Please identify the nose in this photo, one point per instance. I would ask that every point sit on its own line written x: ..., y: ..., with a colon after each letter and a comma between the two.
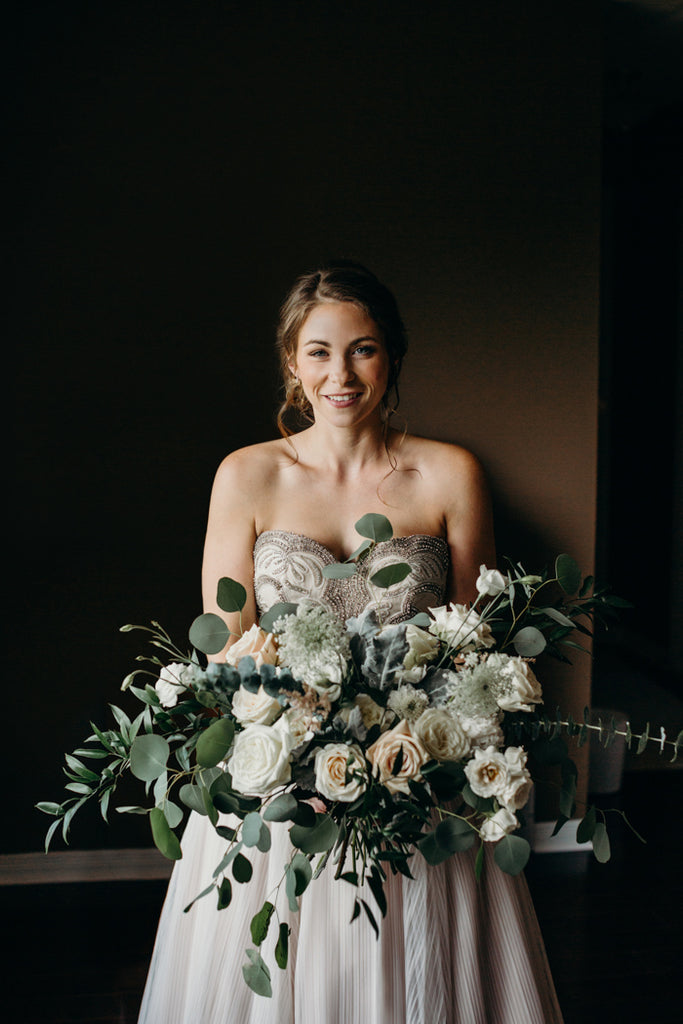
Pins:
x: 341, y: 371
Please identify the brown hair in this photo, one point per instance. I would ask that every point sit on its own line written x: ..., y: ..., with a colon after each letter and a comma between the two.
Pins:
x: 341, y: 281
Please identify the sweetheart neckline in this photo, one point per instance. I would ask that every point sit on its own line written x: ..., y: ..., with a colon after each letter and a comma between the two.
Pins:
x: 323, y: 547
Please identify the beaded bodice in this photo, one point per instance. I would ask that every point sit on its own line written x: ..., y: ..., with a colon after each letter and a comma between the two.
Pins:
x: 289, y: 567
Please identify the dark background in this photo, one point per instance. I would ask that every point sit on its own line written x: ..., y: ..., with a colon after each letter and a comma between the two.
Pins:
x: 512, y: 171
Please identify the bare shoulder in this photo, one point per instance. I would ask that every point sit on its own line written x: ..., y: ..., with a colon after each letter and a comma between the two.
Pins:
x: 252, y: 466
x: 448, y: 466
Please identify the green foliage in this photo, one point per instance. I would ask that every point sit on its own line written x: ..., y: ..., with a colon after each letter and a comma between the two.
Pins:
x: 209, y: 633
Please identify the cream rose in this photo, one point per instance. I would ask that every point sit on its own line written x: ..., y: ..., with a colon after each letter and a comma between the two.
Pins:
x: 498, y: 825
x: 441, y: 734
x: 383, y: 753
x: 169, y: 684
x: 460, y: 627
x: 333, y: 763
x: 422, y: 647
x: 258, y: 708
x: 260, y: 758
x: 521, y: 689
x: 487, y: 772
x: 516, y: 793
x: 256, y: 644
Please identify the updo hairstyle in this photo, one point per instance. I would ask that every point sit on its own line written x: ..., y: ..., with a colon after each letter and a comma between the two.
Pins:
x: 340, y: 281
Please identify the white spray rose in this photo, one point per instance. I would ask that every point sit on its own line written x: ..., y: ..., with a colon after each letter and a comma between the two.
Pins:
x: 487, y: 772
x: 498, y: 825
x: 258, y: 708
x: 169, y: 685
x: 333, y: 763
x: 460, y: 627
x: 491, y: 582
x: 260, y: 758
x: 516, y: 794
x: 442, y: 735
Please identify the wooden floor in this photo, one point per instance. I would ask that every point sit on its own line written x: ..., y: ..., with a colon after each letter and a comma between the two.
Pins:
x: 78, y: 953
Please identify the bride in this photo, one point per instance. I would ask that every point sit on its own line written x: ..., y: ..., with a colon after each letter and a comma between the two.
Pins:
x: 451, y: 950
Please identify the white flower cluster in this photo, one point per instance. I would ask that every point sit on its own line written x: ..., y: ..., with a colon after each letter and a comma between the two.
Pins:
x: 503, y: 775
x: 492, y: 683
x: 313, y: 644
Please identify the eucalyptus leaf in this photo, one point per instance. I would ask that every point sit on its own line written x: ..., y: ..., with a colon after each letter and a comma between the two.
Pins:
x: 375, y: 526
x: 209, y: 633
x: 568, y: 574
x: 586, y: 827
x: 339, y: 570
x: 165, y: 840
x: 215, y: 742
x: 391, y: 574
x: 282, y: 808
x: 282, y: 947
x: 260, y: 923
x: 257, y: 975
x: 321, y: 837
x: 192, y: 797
x: 601, y: 843
x: 224, y: 894
x: 231, y: 595
x: 529, y: 642
x: 511, y: 854
x: 251, y: 829
x: 149, y: 755
x: 278, y: 611
x: 242, y: 869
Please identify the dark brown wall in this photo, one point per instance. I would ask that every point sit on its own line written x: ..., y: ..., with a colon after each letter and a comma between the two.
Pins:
x: 175, y: 166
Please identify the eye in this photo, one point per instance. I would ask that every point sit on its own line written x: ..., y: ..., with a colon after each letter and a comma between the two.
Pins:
x: 365, y: 350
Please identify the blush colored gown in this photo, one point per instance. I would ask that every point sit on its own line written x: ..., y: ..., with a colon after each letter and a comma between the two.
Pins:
x: 451, y: 950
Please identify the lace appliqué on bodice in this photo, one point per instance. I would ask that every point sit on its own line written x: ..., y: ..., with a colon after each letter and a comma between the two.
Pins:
x: 289, y: 567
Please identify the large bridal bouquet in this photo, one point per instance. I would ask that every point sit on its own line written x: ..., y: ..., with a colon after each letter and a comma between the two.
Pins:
x: 373, y: 743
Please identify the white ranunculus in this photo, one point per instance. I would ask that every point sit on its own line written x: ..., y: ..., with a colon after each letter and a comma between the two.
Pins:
x: 487, y: 772
x: 169, y: 685
x: 256, y: 644
x: 482, y: 731
x: 498, y: 825
x: 460, y: 627
x: 491, y: 582
x: 520, y: 688
x: 333, y: 763
x: 258, y: 708
x: 442, y: 735
x: 422, y: 647
x: 260, y: 758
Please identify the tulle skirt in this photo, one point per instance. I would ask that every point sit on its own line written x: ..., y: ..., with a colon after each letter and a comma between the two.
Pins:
x: 450, y: 950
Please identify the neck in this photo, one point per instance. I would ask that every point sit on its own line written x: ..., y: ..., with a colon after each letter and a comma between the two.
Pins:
x: 346, y: 452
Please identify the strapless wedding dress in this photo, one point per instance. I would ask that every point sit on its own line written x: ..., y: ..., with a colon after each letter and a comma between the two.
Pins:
x: 451, y: 950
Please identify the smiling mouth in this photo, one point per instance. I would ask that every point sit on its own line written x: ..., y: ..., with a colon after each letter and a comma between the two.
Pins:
x: 343, y: 400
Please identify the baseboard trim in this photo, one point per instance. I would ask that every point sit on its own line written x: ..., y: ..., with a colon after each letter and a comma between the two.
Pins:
x: 543, y: 840
x: 83, y: 866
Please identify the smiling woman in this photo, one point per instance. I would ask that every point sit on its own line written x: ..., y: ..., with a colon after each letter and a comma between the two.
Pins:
x: 449, y: 948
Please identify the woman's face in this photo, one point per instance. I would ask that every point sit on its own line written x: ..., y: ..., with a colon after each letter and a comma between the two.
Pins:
x: 342, y: 362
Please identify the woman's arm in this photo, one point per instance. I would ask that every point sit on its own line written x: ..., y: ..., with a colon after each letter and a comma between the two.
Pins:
x: 230, y: 536
x: 469, y: 522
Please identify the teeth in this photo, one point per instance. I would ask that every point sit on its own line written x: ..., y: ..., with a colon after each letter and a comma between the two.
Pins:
x: 340, y: 398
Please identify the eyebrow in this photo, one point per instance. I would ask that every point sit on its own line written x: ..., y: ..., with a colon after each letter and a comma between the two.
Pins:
x: 356, y: 341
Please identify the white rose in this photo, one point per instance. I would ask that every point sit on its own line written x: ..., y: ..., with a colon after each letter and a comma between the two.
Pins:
x: 516, y: 793
x: 371, y: 712
x: 491, y: 582
x: 460, y: 627
x: 487, y: 772
x: 516, y: 758
x: 422, y: 647
x: 498, y: 825
x: 333, y: 763
x: 521, y: 687
x: 299, y: 723
x: 482, y: 731
x: 258, y: 708
x: 260, y: 758
x: 256, y: 644
x: 169, y: 684
x: 384, y: 751
x: 442, y: 735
